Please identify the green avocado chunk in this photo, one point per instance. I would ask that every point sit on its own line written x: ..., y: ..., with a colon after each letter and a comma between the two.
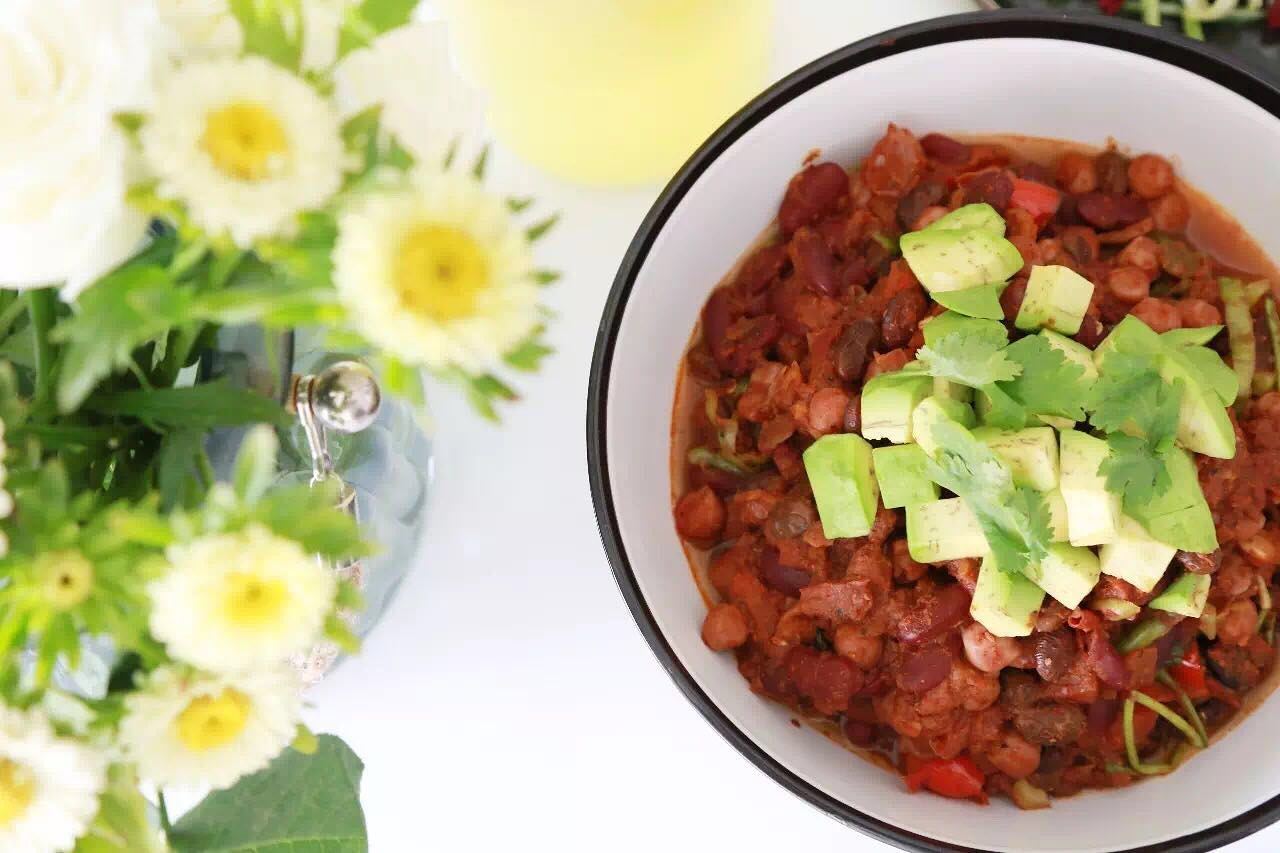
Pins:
x: 956, y: 260
x: 1179, y: 517
x: 901, y: 472
x: 1031, y: 454
x: 982, y: 301
x: 1092, y: 511
x: 888, y: 401
x: 1005, y: 603
x: 1195, y: 336
x: 1056, y: 298
x: 933, y: 409
x: 1186, y: 596
x: 982, y: 216
x: 1067, y: 573
x: 1135, y: 556
x: 943, y: 530
x: 948, y: 322
x: 842, y: 477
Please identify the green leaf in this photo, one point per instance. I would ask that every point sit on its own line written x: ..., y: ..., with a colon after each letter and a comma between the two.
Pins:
x: 529, y: 353
x: 539, y: 230
x: 309, y: 516
x: 199, y: 406
x: 481, y: 165
x: 178, y: 469
x: 1003, y: 412
x: 299, y: 804
x: 519, y: 205
x: 126, y: 309
x: 1048, y: 384
x: 272, y: 29
x: 976, y: 360
x: 370, y: 19
x: 1134, y: 470
x: 123, y: 823
x: 982, y: 301
x: 255, y: 469
x: 546, y: 277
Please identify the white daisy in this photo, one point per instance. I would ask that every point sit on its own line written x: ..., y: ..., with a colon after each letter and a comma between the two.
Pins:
x: 49, y: 785
x: 438, y: 274
x: 235, y: 601
x: 183, y: 728
x: 201, y: 29
x: 246, y: 145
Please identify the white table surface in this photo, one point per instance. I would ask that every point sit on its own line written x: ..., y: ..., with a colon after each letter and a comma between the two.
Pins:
x: 507, y: 701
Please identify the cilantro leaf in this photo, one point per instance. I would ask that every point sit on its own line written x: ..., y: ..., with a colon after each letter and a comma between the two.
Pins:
x: 1003, y: 412
x: 1135, y: 469
x: 976, y: 359
x: 1015, y: 520
x: 1049, y: 383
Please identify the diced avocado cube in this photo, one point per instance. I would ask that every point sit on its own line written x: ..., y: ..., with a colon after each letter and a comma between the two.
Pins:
x: 932, y: 409
x: 1192, y: 337
x: 1186, y: 596
x: 980, y: 216
x: 1214, y: 372
x: 1057, y: 515
x: 1134, y: 556
x: 982, y: 301
x: 1067, y: 573
x: 1056, y: 422
x: 945, y: 389
x: 956, y: 260
x: 1031, y: 454
x: 943, y: 530
x: 1203, y: 424
x: 1074, y: 351
x: 901, y: 472
x: 888, y: 401
x: 1056, y: 298
x: 1130, y: 335
x: 1179, y: 517
x: 1093, y: 513
x: 844, y: 485
x: 1005, y: 603
x: 936, y: 328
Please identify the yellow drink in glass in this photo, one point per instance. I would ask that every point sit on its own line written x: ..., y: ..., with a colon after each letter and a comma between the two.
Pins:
x: 612, y: 92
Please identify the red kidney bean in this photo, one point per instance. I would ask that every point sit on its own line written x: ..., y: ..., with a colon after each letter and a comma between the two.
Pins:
x: 1091, y: 332
x: 926, y: 194
x: 903, y: 313
x: 1035, y: 172
x: 813, y: 261
x: 854, y: 348
x: 787, y: 580
x: 715, y: 324
x: 1011, y: 299
x: 1107, y: 663
x: 1068, y: 211
x: 924, y: 669
x: 855, y: 272
x: 761, y: 268
x: 813, y: 193
x: 944, y: 149
x: 1081, y: 243
x: 934, y: 615
x: 853, y: 414
x: 1106, y: 211
x: 993, y: 187
x: 1054, y: 653
x: 791, y: 517
x: 1102, y: 713
x: 859, y: 733
x: 1113, y: 172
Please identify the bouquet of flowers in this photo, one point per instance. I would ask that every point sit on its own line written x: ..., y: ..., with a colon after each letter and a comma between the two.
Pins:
x: 170, y: 168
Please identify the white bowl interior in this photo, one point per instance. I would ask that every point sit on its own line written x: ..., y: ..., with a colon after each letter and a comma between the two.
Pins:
x: 1038, y: 87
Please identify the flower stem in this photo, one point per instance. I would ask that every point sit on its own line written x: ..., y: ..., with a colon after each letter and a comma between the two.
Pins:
x: 163, y: 807
x: 43, y: 305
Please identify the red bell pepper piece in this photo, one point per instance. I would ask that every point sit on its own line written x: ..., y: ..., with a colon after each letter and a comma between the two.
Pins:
x: 957, y: 777
x: 1035, y: 198
x: 1189, y: 673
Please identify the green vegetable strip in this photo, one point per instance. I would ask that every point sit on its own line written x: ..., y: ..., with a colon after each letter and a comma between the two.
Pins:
x: 1192, y: 27
x: 1131, y: 745
x: 1151, y: 12
x: 1273, y: 328
x: 1176, y: 721
x: 1142, y: 636
x: 703, y: 456
x: 1255, y: 290
x: 1193, y: 713
x: 1244, y: 354
x: 1229, y: 15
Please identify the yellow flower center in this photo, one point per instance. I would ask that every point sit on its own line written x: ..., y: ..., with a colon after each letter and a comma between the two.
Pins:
x: 67, y: 578
x: 252, y: 601
x: 245, y: 141
x: 440, y: 272
x: 17, y: 790
x: 209, y: 722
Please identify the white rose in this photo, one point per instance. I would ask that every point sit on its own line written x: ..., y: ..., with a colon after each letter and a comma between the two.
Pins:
x: 66, y: 67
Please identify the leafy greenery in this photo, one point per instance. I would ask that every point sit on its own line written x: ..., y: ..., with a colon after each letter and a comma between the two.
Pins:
x: 1138, y: 410
x: 272, y: 29
x: 300, y: 804
x: 976, y: 359
x: 1049, y: 383
x: 205, y: 406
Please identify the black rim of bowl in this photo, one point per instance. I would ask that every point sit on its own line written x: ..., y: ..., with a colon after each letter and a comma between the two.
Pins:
x: 1124, y: 35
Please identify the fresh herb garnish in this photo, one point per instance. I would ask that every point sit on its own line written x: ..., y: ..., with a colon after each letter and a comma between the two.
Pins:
x: 1049, y: 383
x: 1015, y: 520
x: 977, y: 358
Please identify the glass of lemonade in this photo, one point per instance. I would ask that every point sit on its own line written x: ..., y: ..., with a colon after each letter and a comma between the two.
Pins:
x: 612, y: 92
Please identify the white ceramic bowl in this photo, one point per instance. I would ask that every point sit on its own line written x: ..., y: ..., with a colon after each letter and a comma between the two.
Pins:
x: 1041, y: 75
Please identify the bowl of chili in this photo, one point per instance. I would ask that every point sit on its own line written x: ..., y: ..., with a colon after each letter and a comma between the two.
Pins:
x: 1027, y: 77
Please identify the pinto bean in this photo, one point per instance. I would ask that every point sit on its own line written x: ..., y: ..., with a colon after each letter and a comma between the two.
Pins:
x: 944, y: 149
x: 814, y: 192
x: 904, y: 312
x: 1200, y: 564
x: 827, y: 408
x: 1054, y: 652
x: 791, y: 517
x: 700, y: 515
x: 724, y: 628
x: 1106, y: 211
x: 986, y: 651
x: 853, y: 414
